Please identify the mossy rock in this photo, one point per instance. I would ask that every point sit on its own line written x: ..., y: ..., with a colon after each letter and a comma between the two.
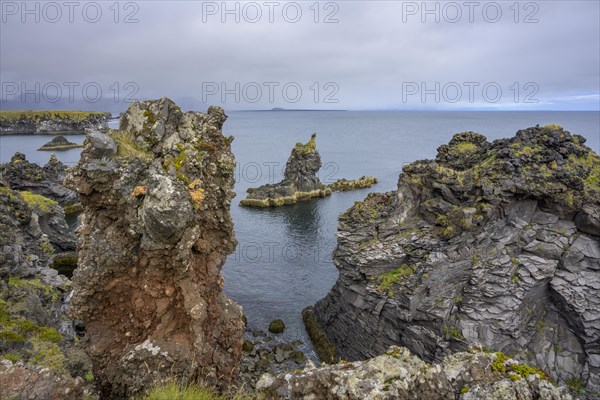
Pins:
x: 323, y: 347
x: 247, y: 346
x: 298, y: 357
x: 276, y: 326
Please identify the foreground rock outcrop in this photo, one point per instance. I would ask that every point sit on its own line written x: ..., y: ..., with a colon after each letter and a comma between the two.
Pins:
x: 51, y: 122
x: 154, y: 234
x: 39, y: 357
x: 491, y: 243
x: 473, y: 375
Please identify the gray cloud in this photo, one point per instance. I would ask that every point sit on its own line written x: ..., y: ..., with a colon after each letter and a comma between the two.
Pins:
x: 369, y: 59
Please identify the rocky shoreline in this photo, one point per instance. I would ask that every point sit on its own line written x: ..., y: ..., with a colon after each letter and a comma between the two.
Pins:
x: 477, y: 279
x: 51, y: 122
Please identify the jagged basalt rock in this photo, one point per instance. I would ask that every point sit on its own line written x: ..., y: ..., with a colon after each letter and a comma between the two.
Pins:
x: 38, y: 353
x: 154, y: 234
x: 51, y: 122
x: 300, y: 180
x: 59, y: 143
x: 20, y: 174
x: 400, y: 375
x: 495, y: 243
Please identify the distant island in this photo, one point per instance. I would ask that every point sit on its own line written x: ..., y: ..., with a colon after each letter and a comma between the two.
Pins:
x: 292, y: 109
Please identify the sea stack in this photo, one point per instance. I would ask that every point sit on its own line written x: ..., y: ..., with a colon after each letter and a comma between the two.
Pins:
x: 300, y: 180
x: 155, y: 232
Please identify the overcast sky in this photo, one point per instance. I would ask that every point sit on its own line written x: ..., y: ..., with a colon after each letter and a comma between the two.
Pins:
x: 357, y: 55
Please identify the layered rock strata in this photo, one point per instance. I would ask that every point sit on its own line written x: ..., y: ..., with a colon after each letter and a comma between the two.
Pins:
x: 492, y: 243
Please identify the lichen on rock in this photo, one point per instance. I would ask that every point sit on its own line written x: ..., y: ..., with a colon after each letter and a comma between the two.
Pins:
x: 397, y: 374
x: 492, y: 243
x: 150, y: 249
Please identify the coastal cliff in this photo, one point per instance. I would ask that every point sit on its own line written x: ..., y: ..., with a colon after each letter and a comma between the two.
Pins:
x: 154, y: 234
x: 492, y: 243
x: 51, y: 122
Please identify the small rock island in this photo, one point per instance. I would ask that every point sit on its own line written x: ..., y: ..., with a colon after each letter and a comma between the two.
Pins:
x: 59, y: 143
x: 300, y: 180
x: 29, y: 122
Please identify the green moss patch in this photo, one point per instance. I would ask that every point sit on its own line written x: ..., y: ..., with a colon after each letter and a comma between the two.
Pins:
x: 323, y: 347
x: 127, y: 146
x: 307, y: 148
x: 394, y: 277
x: 37, y: 202
x: 75, y: 116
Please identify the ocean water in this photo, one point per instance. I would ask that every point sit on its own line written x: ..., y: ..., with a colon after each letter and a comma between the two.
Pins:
x: 283, y: 260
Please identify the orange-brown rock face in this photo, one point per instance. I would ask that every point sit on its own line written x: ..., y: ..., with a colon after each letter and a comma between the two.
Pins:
x: 155, y: 232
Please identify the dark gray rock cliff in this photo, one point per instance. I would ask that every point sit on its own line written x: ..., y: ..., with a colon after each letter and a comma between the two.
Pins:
x: 490, y: 243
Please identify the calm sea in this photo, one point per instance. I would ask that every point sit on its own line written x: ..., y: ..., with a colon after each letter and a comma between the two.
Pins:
x: 283, y: 260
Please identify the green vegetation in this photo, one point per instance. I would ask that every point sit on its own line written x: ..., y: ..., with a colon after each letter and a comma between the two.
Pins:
x: 465, y: 147
x: 23, y: 334
x: 73, y: 208
x: 89, y: 377
x: 396, y: 276
x: 588, y: 168
x: 498, y: 364
x: 34, y: 285
x: 12, y: 357
x: 323, y: 347
x: 128, y: 147
x: 276, y: 326
x: 76, y: 116
x: 37, y: 202
x: 48, y: 355
x: 452, y: 331
x: 520, y: 370
x: 367, y: 243
x: 307, y: 148
x: 553, y: 127
x: 576, y: 385
x: 11, y: 337
x: 175, y: 391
